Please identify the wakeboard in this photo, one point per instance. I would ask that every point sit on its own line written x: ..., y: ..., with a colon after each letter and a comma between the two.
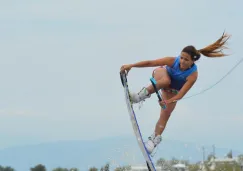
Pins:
x: 135, y: 124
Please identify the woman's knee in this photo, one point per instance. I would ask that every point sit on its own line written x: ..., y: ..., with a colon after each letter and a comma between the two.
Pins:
x: 160, y: 74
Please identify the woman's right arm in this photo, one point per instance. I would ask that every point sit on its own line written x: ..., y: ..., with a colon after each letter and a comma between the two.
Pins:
x: 153, y: 63
x: 149, y: 63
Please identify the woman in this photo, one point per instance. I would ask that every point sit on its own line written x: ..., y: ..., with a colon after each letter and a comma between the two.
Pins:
x: 175, y: 76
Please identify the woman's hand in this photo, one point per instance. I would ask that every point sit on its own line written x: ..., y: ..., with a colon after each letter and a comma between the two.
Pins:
x: 163, y: 103
x: 125, y: 68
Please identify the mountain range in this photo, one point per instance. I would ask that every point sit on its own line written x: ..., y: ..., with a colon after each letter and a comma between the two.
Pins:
x: 117, y: 151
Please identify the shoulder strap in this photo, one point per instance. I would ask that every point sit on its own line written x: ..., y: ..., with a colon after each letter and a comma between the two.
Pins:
x: 177, y: 60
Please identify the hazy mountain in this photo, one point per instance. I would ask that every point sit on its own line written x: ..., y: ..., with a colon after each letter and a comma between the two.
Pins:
x: 84, y: 154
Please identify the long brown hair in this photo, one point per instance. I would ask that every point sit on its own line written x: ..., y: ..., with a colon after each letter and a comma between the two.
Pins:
x: 213, y: 50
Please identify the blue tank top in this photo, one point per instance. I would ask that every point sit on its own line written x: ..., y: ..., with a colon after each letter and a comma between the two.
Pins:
x: 178, y: 77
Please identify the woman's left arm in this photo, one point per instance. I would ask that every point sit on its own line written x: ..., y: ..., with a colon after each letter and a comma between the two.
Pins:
x: 186, y: 87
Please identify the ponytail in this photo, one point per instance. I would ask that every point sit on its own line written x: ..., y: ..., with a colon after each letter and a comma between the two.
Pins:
x: 215, y: 49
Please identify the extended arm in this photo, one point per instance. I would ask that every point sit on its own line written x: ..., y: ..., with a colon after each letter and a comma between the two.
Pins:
x: 149, y: 63
x: 153, y: 63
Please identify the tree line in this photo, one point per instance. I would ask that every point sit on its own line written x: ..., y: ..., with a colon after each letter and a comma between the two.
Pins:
x: 163, y: 163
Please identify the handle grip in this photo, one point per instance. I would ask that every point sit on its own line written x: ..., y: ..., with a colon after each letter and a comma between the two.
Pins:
x: 154, y: 82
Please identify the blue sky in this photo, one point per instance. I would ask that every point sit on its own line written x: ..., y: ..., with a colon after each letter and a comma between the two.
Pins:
x: 60, y: 64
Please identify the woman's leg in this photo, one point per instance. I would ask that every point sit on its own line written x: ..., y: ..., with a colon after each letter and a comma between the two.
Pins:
x: 155, y: 138
x: 162, y: 78
x: 163, y: 81
x: 164, y: 113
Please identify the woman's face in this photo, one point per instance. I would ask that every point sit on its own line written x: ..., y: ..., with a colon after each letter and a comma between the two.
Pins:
x: 185, y: 61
